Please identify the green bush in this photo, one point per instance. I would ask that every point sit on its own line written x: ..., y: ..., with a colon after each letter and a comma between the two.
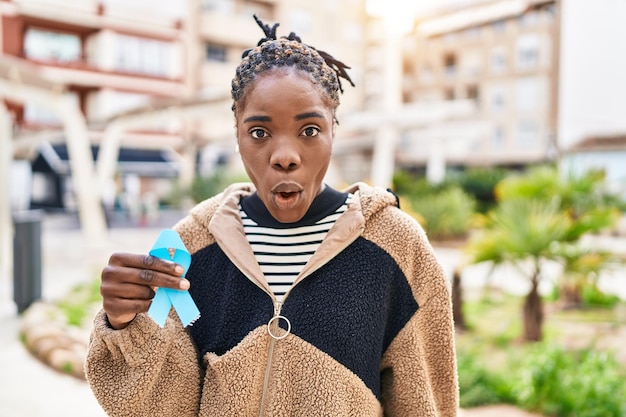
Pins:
x: 561, y: 383
x: 405, y: 183
x: 480, y: 184
x: 593, y: 297
x: 447, y: 214
x: 478, y: 385
x: 203, y: 187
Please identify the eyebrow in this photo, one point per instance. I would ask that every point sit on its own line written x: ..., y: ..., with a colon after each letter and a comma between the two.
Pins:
x: 258, y: 119
x: 302, y: 116
x: 309, y: 115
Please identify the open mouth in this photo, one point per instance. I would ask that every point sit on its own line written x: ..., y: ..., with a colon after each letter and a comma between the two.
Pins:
x: 286, y: 200
x: 286, y: 195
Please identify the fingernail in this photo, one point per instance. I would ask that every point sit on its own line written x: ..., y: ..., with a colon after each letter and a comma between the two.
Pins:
x: 184, y: 284
x: 179, y: 269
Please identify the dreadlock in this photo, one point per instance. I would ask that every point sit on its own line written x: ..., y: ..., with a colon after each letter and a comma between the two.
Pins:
x: 288, y: 51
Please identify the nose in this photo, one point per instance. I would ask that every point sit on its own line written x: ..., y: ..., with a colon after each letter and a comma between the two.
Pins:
x: 285, y: 155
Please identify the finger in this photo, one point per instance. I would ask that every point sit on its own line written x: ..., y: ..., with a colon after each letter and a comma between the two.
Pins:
x: 153, y: 278
x: 120, y: 308
x: 147, y: 262
x: 144, y: 270
x: 126, y: 291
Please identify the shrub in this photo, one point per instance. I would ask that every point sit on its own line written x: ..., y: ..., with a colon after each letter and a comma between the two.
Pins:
x: 202, y: 187
x: 594, y: 297
x: 477, y: 384
x: 560, y: 383
x: 447, y: 214
x: 480, y: 184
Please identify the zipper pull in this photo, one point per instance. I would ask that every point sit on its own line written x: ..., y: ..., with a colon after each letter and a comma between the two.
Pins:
x: 274, y: 327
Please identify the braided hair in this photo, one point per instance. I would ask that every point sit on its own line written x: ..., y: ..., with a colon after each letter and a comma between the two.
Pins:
x: 284, y: 52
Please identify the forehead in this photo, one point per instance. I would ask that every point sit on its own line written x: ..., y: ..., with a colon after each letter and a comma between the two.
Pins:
x: 286, y: 84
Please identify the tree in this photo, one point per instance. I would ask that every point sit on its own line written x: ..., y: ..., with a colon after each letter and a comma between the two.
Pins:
x: 521, y: 233
x: 537, y: 214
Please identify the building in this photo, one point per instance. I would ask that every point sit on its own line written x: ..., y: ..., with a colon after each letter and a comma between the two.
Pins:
x: 105, y: 58
x: 592, y: 91
x: 125, y: 60
x: 504, y: 56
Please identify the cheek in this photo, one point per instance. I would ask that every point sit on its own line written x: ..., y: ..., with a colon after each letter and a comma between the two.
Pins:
x: 252, y: 163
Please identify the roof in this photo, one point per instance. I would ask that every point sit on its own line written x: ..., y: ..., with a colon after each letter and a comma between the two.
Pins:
x: 476, y: 14
x: 600, y: 143
x: 143, y: 162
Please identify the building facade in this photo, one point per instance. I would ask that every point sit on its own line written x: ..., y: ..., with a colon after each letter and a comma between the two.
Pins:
x: 115, y: 59
x: 503, y: 56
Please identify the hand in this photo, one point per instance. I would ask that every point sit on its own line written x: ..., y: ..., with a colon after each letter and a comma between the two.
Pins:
x: 129, y: 283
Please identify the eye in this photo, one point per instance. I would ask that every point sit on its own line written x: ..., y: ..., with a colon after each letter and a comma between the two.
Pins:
x: 310, y: 131
x: 258, y: 133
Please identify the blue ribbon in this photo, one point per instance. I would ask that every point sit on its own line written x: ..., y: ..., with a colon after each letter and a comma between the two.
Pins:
x: 166, y: 298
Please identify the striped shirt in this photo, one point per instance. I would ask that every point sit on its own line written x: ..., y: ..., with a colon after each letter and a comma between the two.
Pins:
x: 282, y: 252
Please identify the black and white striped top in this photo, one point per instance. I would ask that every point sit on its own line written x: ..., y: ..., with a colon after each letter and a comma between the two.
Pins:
x: 282, y: 249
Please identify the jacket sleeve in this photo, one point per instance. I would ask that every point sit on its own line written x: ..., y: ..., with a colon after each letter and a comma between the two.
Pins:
x: 418, y: 370
x: 143, y: 370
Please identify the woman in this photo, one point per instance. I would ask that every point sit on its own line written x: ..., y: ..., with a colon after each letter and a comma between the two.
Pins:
x: 313, y: 301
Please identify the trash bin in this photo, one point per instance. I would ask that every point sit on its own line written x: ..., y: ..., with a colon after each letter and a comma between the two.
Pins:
x: 26, y: 258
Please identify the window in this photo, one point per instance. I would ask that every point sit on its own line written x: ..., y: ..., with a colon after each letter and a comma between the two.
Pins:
x: 549, y: 11
x: 528, y: 19
x: 472, y: 93
x: 498, y: 60
x: 526, y: 133
x: 47, y: 45
x: 499, y: 26
x: 528, y: 51
x: 219, y: 6
x: 44, y: 115
x: 528, y: 93
x: 146, y: 56
x: 498, y: 100
x: 449, y: 64
x: 498, y: 138
x: 216, y: 53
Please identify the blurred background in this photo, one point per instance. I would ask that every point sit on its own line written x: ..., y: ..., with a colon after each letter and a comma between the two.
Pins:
x: 501, y: 125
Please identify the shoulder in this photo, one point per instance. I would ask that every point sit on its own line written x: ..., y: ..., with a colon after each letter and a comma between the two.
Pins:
x: 194, y: 227
x: 383, y: 215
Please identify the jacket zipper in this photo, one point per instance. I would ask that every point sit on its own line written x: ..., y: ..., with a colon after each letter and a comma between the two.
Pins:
x: 266, y: 380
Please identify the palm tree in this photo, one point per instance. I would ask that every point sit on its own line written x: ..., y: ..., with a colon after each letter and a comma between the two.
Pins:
x: 521, y: 233
x: 537, y: 214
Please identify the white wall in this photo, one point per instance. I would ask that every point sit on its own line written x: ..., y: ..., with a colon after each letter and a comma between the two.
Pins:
x: 592, y: 96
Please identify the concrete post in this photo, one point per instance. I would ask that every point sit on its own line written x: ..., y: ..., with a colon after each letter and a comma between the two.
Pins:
x: 6, y: 224
x: 388, y: 135
x: 84, y: 177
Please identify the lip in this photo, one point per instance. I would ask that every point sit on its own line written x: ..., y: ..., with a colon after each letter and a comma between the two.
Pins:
x: 286, y: 195
x: 286, y: 187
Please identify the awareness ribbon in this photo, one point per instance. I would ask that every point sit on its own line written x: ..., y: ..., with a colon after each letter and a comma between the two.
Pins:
x: 165, y: 298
